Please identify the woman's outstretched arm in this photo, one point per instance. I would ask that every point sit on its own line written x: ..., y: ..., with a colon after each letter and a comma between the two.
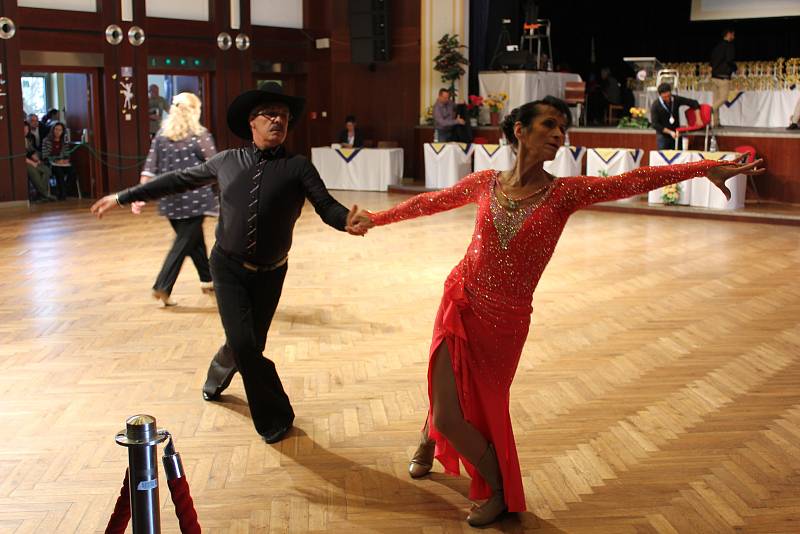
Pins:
x: 587, y: 190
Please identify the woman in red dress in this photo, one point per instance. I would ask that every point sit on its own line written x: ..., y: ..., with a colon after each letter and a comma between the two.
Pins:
x: 483, y: 319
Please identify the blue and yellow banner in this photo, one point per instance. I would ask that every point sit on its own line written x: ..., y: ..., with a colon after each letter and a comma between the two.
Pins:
x: 490, y: 150
x: 438, y: 147
x: 347, y: 154
x: 669, y: 156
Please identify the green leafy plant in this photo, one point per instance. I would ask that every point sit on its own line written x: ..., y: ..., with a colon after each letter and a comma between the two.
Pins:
x: 637, y: 119
x: 450, y: 61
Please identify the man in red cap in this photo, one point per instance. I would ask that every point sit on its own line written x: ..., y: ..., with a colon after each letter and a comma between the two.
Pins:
x: 262, y: 192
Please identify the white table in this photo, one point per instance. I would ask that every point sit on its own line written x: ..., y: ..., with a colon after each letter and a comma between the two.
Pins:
x: 568, y: 162
x: 755, y: 109
x: 523, y: 86
x: 698, y: 191
x: 446, y: 163
x: 361, y: 169
x: 706, y: 195
x: 613, y: 161
x: 498, y: 157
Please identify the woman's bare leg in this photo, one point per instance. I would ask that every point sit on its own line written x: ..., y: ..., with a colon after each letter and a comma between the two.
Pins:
x: 447, y: 415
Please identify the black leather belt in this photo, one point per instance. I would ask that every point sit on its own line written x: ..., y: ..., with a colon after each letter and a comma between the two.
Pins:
x: 253, y: 267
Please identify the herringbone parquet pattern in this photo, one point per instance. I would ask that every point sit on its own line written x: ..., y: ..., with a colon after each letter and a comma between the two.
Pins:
x: 659, y: 390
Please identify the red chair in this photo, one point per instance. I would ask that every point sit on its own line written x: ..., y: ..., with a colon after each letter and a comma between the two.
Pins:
x: 691, y: 120
x: 480, y: 141
x: 751, y: 156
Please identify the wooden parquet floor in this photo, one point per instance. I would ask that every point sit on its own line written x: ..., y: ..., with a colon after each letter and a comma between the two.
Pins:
x: 659, y: 391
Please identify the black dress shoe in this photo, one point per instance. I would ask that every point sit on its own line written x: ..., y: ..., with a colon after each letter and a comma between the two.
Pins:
x: 211, y: 392
x: 793, y: 126
x: 274, y: 436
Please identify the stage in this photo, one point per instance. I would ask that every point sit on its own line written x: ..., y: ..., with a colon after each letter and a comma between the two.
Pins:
x: 779, y: 148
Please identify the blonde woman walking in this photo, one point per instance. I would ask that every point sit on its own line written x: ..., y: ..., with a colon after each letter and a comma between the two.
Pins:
x: 181, y: 143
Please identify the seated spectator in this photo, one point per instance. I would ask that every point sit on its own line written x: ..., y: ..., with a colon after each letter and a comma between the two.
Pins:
x: 461, y: 132
x: 36, y: 131
x: 794, y: 120
x: 38, y: 172
x: 607, y: 90
x: 350, y: 137
x: 54, y: 151
x: 48, y: 120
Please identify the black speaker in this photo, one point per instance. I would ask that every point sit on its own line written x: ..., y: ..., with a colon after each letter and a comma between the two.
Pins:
x: 515, y: 60
x: 369, y: 31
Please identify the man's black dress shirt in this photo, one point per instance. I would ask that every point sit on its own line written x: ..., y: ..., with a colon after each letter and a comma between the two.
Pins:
x: 722, y: 60
x: 286, y: 182
x: 661, y: 112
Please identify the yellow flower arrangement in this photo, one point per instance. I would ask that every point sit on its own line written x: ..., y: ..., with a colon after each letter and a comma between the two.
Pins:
x: 670, y: 194
x: 495, y: 101
x: 638, y: 113
x: 637, y: 119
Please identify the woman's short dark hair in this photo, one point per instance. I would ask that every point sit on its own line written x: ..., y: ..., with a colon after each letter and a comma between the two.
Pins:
x: 527, y: 112
x: 350, y: 118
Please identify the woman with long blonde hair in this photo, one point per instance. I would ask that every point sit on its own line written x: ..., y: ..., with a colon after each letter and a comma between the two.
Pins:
x: 182, y: 142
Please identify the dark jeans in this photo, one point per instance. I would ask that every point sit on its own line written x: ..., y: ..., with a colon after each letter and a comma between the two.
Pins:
x: 189, y: 241
x: 665, y: 142
x: 247, y: 301
x: 62, y: 176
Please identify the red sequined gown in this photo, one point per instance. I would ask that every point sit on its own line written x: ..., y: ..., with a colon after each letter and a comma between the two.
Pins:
x: 486, y: 307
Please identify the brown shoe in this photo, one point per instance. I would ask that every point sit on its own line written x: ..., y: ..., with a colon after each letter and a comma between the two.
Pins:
x: 422, y: 461
x: 163, y: 296
x: 495, y: 506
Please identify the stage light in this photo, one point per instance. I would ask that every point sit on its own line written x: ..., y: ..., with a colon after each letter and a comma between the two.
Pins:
x: 196, y: 62
x: 183, y: 61
x: 168, y: 61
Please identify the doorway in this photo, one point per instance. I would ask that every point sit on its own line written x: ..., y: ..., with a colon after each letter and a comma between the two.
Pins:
x: 163, y: 85
x: 68, y: 95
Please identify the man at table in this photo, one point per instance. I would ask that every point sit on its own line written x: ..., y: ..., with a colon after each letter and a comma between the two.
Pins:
x: 444, y: 116
x: 664, y: 115
x: 350, y: 137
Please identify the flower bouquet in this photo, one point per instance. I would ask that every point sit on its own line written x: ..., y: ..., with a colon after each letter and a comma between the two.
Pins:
x: 637, y: 119
x: 670, y: 194
x: 495, y: 102
x: 474, y: 105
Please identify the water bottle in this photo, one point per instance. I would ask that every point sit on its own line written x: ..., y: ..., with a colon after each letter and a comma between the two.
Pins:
x: 435, y: 135
x: 713, y: 147
x: 566, y: 139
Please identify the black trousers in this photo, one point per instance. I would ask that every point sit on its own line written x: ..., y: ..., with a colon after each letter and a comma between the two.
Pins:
x: 247, y: 301
x: 189, y: 241
x: 62, y: 176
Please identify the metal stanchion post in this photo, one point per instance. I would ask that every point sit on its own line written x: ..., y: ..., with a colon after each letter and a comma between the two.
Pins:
x: 141, y: 437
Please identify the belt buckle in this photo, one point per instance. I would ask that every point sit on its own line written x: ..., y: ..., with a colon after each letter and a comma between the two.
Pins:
x: 250, y: 267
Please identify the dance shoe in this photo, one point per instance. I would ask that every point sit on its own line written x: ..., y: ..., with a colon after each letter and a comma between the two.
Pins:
x: 163, y: 296
x: 495, y: 506
x: 212, y: 389
x: 274, y: 436
x: 422, y: 461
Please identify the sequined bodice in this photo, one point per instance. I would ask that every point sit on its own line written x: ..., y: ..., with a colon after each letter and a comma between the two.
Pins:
x: 509, y: 251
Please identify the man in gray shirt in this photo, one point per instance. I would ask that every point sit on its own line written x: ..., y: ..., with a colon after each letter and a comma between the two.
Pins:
x: 444, y: 116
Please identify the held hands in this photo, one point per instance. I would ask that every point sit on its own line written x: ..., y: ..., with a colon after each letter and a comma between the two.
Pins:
x: 718, y: 175
x: 136, y: 207
x: 358, y: 221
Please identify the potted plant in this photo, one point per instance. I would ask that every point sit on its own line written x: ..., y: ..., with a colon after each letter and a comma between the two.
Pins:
x: 449, y: 63
x: 495, y: 102
x: 637, y: 119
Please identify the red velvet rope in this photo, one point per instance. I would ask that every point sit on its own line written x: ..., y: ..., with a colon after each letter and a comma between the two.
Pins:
x: 184, y: 507
x: 122, y: 510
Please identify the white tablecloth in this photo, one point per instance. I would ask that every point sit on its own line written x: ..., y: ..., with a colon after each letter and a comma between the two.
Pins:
x: 613, y: 161
x: 568, y: 162
x: 364, y: 169
x: 523, y: 86
x: 446, y: 163
x: 498, y: 157
x: 699, y: 191
x: 758, y: 109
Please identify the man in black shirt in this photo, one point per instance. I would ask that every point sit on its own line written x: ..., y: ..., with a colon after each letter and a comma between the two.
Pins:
x: 262, y: 192
x: 722, y: 67
x: 664, y: 115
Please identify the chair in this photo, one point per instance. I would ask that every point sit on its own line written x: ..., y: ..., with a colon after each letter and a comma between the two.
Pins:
x: 669, y: 76
x: 613, y: 109
x: 751, y: 156
x: 693, y: 125
x: 575, y: 95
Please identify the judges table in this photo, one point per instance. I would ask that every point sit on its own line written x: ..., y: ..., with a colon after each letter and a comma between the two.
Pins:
x: 700, y: 192
x: 446, y: 163
x: 613, y: 161
x: 498, y: 157
x: 523, y: 86
x: 362, y: 169
x: 568, y: 162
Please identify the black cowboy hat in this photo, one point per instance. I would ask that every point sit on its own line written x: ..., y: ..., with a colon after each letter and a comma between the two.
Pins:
x: 242, y: 105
